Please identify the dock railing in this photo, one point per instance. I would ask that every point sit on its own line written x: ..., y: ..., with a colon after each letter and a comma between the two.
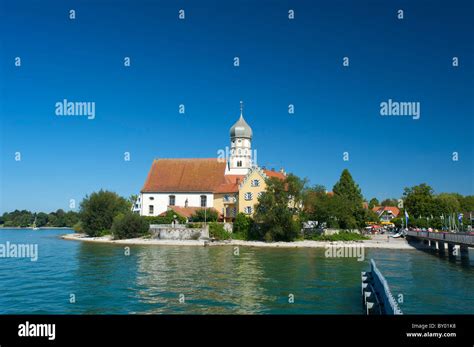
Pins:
x: 376, y: 295
x: 457, y: 238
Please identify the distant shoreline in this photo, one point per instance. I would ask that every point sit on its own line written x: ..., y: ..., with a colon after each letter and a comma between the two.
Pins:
x: 380, y: 244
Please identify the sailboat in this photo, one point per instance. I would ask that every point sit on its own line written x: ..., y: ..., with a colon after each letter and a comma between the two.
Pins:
x: 34, y: 225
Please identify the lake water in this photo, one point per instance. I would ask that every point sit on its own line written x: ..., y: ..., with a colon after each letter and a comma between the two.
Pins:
x: 214, y: 280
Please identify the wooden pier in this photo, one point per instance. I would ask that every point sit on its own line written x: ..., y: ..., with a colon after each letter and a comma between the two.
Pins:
x: 439, y: 241
x: 376, y: 295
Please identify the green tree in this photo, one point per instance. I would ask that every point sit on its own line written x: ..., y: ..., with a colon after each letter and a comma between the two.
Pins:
x: 242, y: 225
x: 446, y: 203
x: 97, y: 211
x: 129, y: 225
x: 366, y: 215
x: 418, y: 201
x: 60, y: 220
x: 296, y: 189
x: 350, y: 213
x: 41, y: 219
x: 389, y: 202
x: 274, y: 213
x: 23, y: 218
x: 71, y: 218
x: 373, y: 202
x: 333, y: 211
x: 467, y: 203
x: 348, y: 189
x: 52, y: 220
x: 205, y: 215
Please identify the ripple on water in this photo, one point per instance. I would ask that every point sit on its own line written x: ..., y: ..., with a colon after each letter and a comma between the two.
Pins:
x: 214, y: 280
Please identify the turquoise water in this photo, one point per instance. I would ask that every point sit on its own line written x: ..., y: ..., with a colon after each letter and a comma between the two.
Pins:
x: 214, y: 280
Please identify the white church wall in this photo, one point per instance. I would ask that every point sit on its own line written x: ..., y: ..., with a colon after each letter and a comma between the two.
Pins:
x: 160, y: 201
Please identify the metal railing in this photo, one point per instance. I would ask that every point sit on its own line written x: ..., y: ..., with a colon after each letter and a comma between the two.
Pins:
x: 383, y: 291
x: 458, y: 238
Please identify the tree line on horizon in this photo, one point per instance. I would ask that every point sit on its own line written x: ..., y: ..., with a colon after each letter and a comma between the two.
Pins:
x: 279, y: 215
x: 25, y: 218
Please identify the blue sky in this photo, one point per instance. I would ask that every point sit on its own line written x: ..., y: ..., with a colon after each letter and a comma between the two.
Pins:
x: 190, y: 62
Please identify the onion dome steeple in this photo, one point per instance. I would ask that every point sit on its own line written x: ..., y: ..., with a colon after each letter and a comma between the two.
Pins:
x: 241, y: 128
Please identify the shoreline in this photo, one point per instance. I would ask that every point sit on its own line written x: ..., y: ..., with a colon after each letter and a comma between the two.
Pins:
x: 373, y: 243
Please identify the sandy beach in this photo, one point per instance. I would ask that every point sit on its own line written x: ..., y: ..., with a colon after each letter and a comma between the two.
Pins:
x: 377, y: 241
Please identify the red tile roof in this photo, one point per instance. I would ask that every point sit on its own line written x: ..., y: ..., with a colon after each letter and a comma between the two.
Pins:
x: 381, y: 209
x: 185, y: 175
x: 194, y: 175
x: 231, y: 184
x: 276, y: 174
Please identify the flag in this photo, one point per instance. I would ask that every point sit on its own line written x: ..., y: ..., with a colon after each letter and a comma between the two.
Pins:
x: 460, y: 217
x: 406, y: 219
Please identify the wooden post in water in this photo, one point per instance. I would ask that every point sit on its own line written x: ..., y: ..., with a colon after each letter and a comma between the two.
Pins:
x: 464, y: 252
x: 441, y: 248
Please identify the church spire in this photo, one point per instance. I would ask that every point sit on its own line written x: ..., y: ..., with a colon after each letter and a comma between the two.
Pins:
x: 241, y: 128
x: 240, y: 160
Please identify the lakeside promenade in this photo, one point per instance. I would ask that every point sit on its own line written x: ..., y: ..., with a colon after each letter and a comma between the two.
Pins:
x: 376, y: 241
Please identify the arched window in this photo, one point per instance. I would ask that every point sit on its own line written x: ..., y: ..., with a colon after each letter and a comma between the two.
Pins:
x: 172, y: 200
x: 248, y: 196
x: 248, y: 209
x: 255, y: 183
x: 239, y: 163
x: 203, y: 201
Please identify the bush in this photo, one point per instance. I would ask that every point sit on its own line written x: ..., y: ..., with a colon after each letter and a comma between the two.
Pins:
x: 241, y: 226
x: 208, y: 214
x: 198, y: 225
x: 99, y: 210
x: 341, y: 236
x: 167, y: 218
x: 129, y: 225
x: 78, y: 227
x: 217, y: 231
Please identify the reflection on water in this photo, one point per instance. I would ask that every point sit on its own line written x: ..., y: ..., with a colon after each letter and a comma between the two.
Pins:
x: 214, y: 280
x: 204, y: 278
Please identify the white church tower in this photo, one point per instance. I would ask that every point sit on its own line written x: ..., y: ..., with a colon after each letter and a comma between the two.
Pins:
x: 240, y: 160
